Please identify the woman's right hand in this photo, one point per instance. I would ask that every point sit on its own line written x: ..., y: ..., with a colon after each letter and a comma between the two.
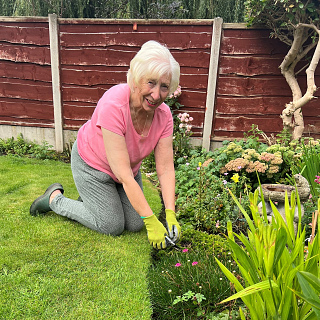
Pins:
x: 156, y: 232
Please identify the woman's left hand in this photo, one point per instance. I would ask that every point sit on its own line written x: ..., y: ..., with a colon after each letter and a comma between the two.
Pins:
x: 173, y: 226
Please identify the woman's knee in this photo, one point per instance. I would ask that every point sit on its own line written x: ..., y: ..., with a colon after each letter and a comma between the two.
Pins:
x: 112, y: 229
x: 134, y: 226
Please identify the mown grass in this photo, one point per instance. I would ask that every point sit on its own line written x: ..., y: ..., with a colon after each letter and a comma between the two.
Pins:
x: 54, y: 268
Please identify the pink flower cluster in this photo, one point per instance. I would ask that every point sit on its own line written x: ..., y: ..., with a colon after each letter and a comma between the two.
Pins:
x: 257, y: 166
x: 317, y: 180
x: 273, y: 158
x: 194, y: 263
x: 185, y: 121
x: 236, y: 164
x: 265, y: 163
x: 176, y: 94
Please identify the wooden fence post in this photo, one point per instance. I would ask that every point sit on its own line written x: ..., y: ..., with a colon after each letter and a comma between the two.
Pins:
x: 212, y: 82
x: 56, y: 88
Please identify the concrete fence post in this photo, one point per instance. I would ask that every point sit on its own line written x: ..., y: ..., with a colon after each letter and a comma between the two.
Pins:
x: 212, y: 82
x: 56, y: 88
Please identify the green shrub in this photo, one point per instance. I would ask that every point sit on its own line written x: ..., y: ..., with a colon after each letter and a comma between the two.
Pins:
x: 203, y: 200
x: 20, y: 147
x: 202, y: 241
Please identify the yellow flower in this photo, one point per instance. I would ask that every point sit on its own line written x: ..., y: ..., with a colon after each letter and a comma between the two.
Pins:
x: 200, y: 164
x: 235, y: 177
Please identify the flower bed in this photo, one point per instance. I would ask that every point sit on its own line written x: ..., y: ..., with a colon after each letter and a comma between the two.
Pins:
x: 214, y: 192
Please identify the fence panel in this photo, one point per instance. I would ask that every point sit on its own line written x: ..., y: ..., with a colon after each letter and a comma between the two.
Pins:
x: 95, y: 55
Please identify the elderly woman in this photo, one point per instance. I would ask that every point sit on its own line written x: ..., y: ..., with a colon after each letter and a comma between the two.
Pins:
x: 130, y: 121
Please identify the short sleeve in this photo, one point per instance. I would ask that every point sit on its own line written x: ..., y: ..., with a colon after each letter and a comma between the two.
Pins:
x: 168, y: 129
x: 111, y: 115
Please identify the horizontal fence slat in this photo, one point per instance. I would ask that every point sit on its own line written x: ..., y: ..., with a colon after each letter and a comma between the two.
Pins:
x: 266, y: 124
x: 261, y: 106
x: 112, y: 57
x: 25, y: 109
x: 25, y: 35
x: 253, y: 46
x: 249, y: 66
x: 25, y: 53
x: 26, y: 89
x: 96, y: 75
x: 25, y: 71
x: 173, y: 40
x: 254, y: 105
x: 26, y: 123
x: 247, y: 86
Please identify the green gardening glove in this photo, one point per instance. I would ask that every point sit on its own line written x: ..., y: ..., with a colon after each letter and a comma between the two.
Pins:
x: 156, y: 232
x: 173, y: 226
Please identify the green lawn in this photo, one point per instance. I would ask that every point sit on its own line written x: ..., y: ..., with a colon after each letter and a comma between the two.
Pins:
x: 54, y: 268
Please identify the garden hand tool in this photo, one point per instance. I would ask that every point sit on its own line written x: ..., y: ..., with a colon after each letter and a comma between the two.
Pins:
x: 173, y: 226
x: 170, y: 243
x: 156, y: 232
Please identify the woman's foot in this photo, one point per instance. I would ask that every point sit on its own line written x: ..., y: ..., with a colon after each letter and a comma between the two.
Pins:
x: 41, y: 204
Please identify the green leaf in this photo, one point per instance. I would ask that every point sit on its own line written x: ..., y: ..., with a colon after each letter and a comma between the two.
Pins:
x: 281, y: 242
x: 264, y: 209
x: 230, y: 276
x: 251, y: 290
x: 256, y: 313
x: 310, y: 316
x: 308, y: 294
x: 241, y: 314
x: 286, y: 305
x: 289, y: 212
x: 279, y: 219
x: 229, y: 229
x: 312, y: 279
x: 250, y: 248
x: 249, y: 221
x: 243, y: 259
x: 313, y: 302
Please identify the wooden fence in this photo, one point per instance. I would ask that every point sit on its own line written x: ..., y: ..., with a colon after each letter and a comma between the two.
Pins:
x: 53, y: 72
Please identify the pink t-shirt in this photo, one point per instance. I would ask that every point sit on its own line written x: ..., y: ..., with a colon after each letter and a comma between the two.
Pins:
x: 113, y: 113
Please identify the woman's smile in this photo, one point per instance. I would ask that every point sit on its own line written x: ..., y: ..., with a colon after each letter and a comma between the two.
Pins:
x: 151, y: 93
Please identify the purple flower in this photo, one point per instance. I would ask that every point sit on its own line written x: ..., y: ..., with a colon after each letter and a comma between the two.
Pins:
x: 225, y: 181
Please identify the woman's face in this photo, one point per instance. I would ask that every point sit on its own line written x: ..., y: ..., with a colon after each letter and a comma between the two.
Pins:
x: 151, y: 93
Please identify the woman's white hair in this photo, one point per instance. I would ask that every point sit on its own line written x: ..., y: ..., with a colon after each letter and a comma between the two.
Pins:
x: 153, y: 61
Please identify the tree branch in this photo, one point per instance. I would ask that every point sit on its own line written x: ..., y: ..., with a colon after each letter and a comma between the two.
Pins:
x: 294, y: 107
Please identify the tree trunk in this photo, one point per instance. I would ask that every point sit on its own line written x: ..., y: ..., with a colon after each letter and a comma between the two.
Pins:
x: 293, y: 109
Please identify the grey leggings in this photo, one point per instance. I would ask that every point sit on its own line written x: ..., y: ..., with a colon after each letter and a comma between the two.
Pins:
x: 104, y: 207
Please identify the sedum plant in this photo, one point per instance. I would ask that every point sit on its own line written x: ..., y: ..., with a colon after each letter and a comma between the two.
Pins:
x: 275, y: 265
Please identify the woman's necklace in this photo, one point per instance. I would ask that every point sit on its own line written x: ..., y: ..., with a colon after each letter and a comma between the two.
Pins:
x: 137, y: 122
